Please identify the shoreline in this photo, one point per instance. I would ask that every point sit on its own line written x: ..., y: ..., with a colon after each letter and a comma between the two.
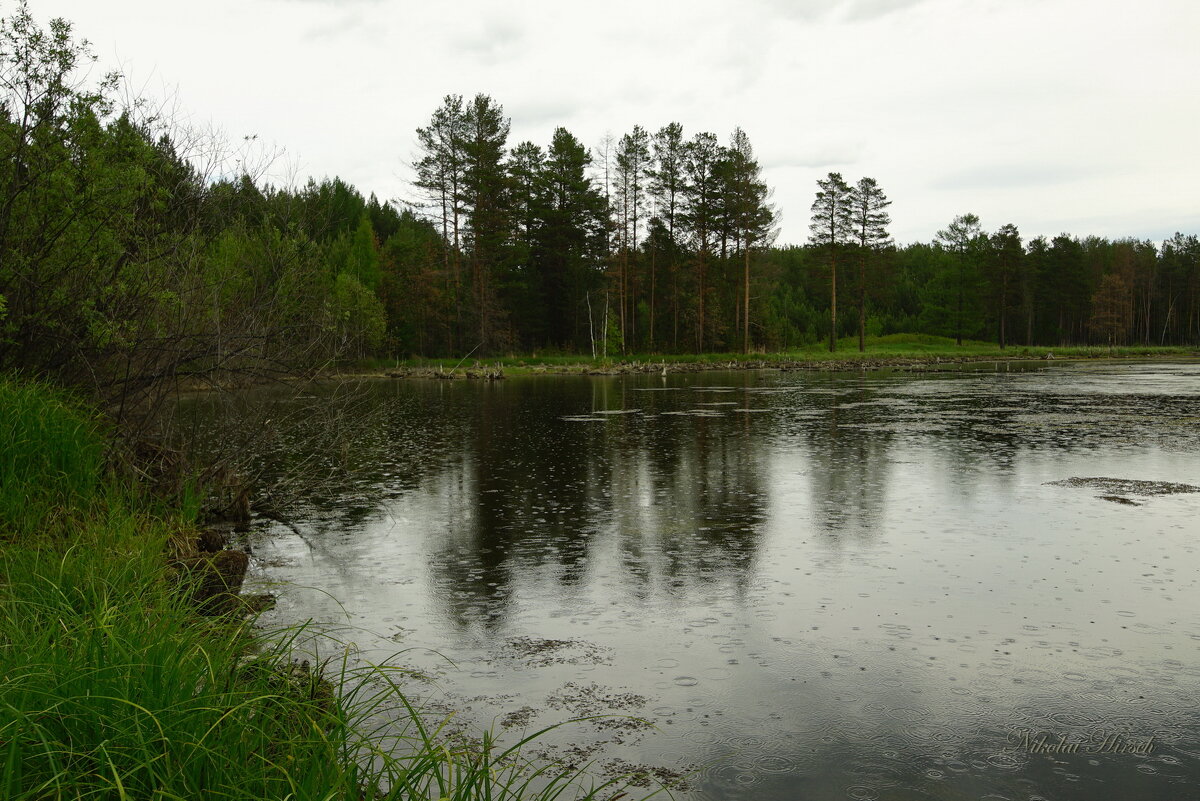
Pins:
x: 500, y: 368
x: 497, y: 369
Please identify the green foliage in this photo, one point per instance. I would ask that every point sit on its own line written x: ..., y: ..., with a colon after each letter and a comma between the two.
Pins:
x: 790, y: 321
x: 950, y: 300
x: 613, y: 341
x: 355, y: 315
x: 362, y: 258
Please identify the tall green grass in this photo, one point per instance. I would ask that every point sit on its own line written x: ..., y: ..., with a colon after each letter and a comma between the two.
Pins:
x: 52, y: 454
x: 112, y: 687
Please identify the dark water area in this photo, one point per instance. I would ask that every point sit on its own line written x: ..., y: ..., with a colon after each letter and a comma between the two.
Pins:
x: 802, y: 586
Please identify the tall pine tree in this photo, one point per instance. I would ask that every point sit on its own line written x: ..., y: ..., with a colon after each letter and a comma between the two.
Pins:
x: 831, y: 231
x: 870, y: 221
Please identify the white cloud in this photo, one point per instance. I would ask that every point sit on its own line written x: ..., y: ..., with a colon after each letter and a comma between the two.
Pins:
x: 1054, y: 114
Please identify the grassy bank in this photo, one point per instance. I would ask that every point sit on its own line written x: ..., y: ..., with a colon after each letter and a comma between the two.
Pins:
x: 892, y: 349
x: 113, y: 686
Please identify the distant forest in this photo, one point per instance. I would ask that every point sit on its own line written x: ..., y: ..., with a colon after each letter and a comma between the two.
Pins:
x: 127, y: 254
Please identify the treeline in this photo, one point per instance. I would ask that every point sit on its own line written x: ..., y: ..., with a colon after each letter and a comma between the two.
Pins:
x: 664, y: 243
x: 971, y: 284
x: 644, y: 244
x: 133, y: 253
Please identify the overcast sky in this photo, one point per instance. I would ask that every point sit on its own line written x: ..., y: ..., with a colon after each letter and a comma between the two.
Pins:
x: 1057, y: 115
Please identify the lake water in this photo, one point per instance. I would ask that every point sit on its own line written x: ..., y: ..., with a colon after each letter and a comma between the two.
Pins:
x: 814, y: 586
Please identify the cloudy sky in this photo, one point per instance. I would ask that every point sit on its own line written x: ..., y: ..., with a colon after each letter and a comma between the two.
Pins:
x: 1056, y: 115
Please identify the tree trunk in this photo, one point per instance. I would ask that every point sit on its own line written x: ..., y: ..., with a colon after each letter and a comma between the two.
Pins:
x: 746, y: 300
x: 700, y: 306
x: 862, y: 303
x: 653, y: 259
x: 832, y: 298
x: 958, y: 309
x: 1003, y: 296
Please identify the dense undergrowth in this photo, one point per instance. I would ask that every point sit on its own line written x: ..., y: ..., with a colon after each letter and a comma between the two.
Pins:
x: 112, y: 686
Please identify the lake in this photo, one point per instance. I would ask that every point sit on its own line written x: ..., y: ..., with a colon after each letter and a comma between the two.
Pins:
x: 784, y: 584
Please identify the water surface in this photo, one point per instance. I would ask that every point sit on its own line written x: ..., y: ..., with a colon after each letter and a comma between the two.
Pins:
x: 826, y: 586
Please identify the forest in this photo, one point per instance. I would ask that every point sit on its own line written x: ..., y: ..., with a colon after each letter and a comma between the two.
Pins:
x: 134, y: 249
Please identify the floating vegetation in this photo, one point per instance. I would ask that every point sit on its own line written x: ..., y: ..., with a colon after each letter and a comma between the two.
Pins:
x: 593, y: 699
x: 519, y: 718
x: 1126, y: 486
x: 641, y: 775
x: 538, y: 652
x: 1119, y: 499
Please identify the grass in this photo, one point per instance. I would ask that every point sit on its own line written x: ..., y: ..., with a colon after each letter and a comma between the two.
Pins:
x: 112, y: 687
x: 892, y: 346
x: 53, y: 451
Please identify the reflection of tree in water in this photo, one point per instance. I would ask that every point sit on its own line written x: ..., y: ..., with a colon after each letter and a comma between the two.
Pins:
x: 850, y: 467
x: 518, y: 495
x: 675, y: 503
x: 708, y: 500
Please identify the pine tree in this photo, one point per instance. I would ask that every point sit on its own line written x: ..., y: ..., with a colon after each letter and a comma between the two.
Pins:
x: 702, y: 159
x: 440, y: 173
x: 1006, y: 256
x: 667, y: 187
x: 487, y: 199
x: 573, y: 236
x: 752, y: 217
x: 869, y: 219
x: 632, y: 163
x: 964, y: 238
x: 1180, y: 269
x: 523, y: 294
x: 831, y: 230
